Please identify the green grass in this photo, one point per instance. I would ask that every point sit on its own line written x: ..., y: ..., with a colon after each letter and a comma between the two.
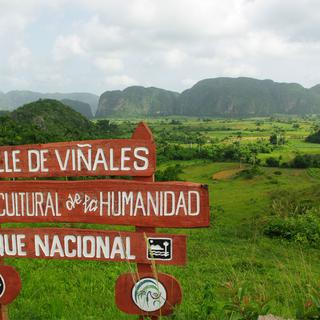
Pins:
x: 314, y: 173
x: 232, y: 252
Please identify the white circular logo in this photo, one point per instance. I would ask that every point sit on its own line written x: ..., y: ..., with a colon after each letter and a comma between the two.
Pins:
x: 149, y: 294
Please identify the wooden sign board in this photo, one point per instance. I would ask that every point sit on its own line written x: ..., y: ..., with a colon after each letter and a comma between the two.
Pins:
x: 89, y: 244
x: 10, y: 284
x: 147, y: 294
x: 130, y: 157
x: 118, y: 202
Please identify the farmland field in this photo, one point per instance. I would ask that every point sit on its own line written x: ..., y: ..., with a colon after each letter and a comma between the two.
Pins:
x: 233, y: 262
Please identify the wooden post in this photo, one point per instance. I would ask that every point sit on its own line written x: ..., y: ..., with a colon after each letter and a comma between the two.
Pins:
x: 143, y: 132
x: 4, y: 313
x: 3, y: 308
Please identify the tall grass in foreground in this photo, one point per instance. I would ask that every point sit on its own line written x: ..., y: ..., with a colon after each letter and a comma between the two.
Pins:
x: 246, y: 286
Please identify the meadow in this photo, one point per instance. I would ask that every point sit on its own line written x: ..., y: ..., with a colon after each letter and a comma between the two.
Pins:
x: 235, y: 270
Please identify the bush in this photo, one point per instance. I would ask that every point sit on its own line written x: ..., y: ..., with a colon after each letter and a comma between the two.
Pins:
x: 272, y: 162
x: 251, y: 172
x: 314, y: 137
x: 306, y: 161
x: 304, y: 229
x: 169, y: 174
x: 287, y: 203
x: 295, y: 216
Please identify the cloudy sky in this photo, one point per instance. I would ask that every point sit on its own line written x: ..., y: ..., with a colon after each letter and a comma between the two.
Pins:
x: 98, y: 45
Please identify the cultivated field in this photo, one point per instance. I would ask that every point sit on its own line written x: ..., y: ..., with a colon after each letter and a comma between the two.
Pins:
x: 236, y: 269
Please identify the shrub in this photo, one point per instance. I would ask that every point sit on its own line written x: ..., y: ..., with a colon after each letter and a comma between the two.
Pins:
x: 251, y: 172
x: 314, y: 137
x: 272, y: 162
x: 243, y: 305
x: 306, y: 161
x: 169, y: 174
x: 303, y: 228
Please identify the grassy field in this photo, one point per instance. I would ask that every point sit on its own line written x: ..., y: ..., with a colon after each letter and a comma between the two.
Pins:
x: 230, y: 259
x: 243, y: 130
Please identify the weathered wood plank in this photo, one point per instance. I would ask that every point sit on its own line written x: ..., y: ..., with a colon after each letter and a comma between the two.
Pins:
x: 118, y: 202
x: 129, y: 157
x: 89, y: 244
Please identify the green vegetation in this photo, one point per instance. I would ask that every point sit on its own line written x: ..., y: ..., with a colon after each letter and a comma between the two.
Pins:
x: 295, y: 217
x: 222, y: 97
x: 261, y: 253
x: 137, y: 101
x: 51, y: 121
x: 306, y: 161
x: 218, y: 97
x: 81, y: 107
x: 314, y: 137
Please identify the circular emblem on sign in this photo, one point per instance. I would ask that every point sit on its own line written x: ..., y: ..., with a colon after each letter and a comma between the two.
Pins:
x: 149, y: 294
x: 2, y: 286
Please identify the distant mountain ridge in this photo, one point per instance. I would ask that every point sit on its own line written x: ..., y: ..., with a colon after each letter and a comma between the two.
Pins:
x: 226, y: 97
x: 316, y: 89
x: 216, y: 97
x: 16, y: 98
x: 137, y: 101
x: 247, y: 97
x: 79, y: 106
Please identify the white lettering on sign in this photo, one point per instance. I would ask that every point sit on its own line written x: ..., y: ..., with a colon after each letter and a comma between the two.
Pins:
x: 12, y: 245
x: 91, y: 160
x: 158, y: 203
x: 36, y: 160
x: 143, y: 159
x: 83, y: 247
x: 111, y: 203
x: 31, y: 204
x: 9, y: 161
x: 76, y: 158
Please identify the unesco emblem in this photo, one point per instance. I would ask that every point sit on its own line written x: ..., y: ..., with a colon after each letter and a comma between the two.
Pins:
x: 149, y: 294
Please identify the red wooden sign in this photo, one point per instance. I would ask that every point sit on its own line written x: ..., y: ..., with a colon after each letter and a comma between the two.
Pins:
x: 141, y: 203
x: 10, y: 284
x: 147, y: 294
x: 87, y: 244
x: 119, y: 202
x: 130, y: 157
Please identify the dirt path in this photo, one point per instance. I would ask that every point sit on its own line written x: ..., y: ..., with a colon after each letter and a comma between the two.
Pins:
x: 226, y: 174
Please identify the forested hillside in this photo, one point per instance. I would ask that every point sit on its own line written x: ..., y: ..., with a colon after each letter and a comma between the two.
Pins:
x: 226, y: 97
x: 138, y: 101
x: 16, y: 98
x: 217, y: 97
x: 44, y: 121
x: 81, y: 107
x: 247, y: 97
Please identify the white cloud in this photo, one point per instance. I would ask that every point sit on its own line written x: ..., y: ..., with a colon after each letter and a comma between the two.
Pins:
x: 175, y: 57
x: 120, y: 81
x: 20, y: 59
x: 168, y: 43
x: 109, y: 64
x: 188, y: 82
x: 68, y: 46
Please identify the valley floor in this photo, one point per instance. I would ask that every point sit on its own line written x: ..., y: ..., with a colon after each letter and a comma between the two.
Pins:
x: 230, y: 257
